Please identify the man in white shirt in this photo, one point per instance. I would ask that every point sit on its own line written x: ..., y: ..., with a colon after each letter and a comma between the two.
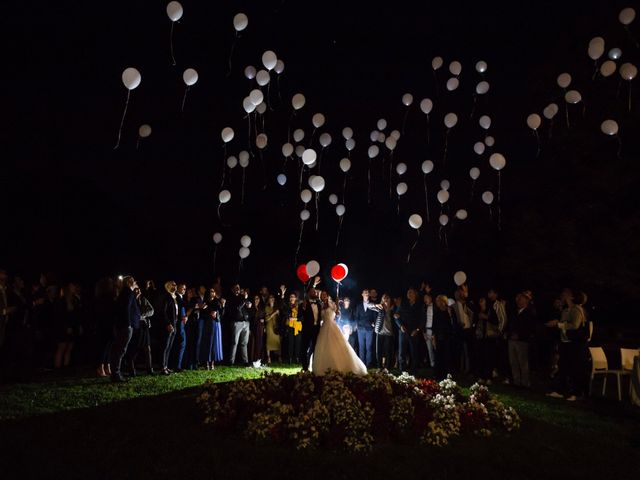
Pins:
x: 428, y: 329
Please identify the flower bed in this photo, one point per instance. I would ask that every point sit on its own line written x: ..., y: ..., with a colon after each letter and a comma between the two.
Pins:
x: 350, y: 412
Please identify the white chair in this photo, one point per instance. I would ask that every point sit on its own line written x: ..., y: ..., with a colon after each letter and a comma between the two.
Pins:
x: 627, y: 355
x: 600, y: 366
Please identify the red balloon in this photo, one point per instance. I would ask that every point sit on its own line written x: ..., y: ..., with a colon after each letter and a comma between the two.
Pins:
x: 338, y: 272
x: 302, y: 273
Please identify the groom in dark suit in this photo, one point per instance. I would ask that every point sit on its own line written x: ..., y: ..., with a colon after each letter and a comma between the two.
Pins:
x: 311, y: 309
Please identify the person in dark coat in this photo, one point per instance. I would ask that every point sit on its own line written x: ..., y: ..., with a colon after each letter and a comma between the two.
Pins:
x: 444, y: 331
x: 519, y: 333
x: 169, y: 313
x: 365, y: 315
x: 311, y: 309
x: 411, y: 323
x: 141, y: 338
x: 181, y: 324
x: 237, y: 312
x: 127, y: 319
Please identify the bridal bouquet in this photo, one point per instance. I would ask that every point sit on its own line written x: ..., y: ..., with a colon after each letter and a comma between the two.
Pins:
x: 352, y: 412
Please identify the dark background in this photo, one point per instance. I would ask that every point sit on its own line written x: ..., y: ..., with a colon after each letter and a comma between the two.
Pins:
x: 75, y: 206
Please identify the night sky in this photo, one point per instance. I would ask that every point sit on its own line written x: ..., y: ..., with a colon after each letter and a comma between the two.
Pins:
x: 74, y: 205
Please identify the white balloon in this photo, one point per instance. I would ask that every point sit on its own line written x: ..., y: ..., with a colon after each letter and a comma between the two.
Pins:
x: 261, y: 108
x: 244, y: 252
x: 240, y: 22
x: 489, y: 141
x: 261, y: 141
x: 391, y: 143
x: 564, y: 80
x: 318, y: 120
x: 340, y: 210
x: 445, y: 184
x: 462, y: 214
x: 309, y: 156
x: 437, y: 63
x: 347, y: 133
x: 443, y: 219
x: 497, y: 161
x: 250, y: 72
x: 450, y: 120
x: 373, y: 136
x: 401, y: 168
x: 333, y: 199
x: 479, y: 148
x: 609, y: 127
x: 279, y: 68
x: 443, y: 196
x: 227, y: 134
x: 474, y: 173
x: 627, y: 15
x: 382, y: 137
x: 373, y: 151
x: 245, y: 241
x: 452, y: 84
x: 144, y: 131
x: 287, y: 150
x: 596, y: 48
x: 395, y: 134
x: 481, y: 66
x: 485, y: 122
x: 427, y: 167
x: 455, y: 68
x: 174, y: 11
x: 256, y: 96
x: 608, y: 68
x: 482, y: 87
x: 407, y: 99
x: 350, y: 144
x: 305, y: 195
x: 534, y: 121
x: 401, y: 188
x: 318, y: 184
x: 345, y: 165
x: 282, y: 179
x: 243, y: 156
x: 304, y: 215
x: 298, y: 101
x: 248, y: 105
x: 190, y: 76
x: 460, y: 278
x: 131, y: 78
x: 426, y: 105
x: 269, y: 60
x: 382, y: 124
x: 615, y: 53
x: 224, y: 196
x: 550, y: 111
x: 325, y: 140
x: 313, y: 268
x: 217, y: 238
x: 487, y: 197
x: 415, y: 221
x: 263, y: 78
x: 232, y: 162
x: 572, y: 96
x: 299, y: 150
x: 298, y: 135
x: 628, y: 71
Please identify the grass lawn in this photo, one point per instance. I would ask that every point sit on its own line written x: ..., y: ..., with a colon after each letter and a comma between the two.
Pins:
x: 72, y: 427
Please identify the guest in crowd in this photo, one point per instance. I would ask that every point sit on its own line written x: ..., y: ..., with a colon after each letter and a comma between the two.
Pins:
x: 311, y: 318
x: 272, y: 325
x: 411, y: 320
x: 214, y: 312
x: 384, y: 334
x: 257, y: 319
x: 181, y: 325
x: 195, y: 327
x: 170, y: 317
x: 487, y: 335
x: 292, y: 318
x: 141, y: 336
x: 365, y: 316
x: 347, y: 322
x: 238, y: 311
x: 104, y: 316
x: 464, y: 317
x: 519, y: 333
x: 498, y: 315
x: 444, y: 331
x: 68, y: 324
x: 127, y: 319
x: 428, y: 328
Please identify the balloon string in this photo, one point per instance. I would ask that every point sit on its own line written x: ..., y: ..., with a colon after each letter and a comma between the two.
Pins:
x: 289, y: 126
x: 269, y: 103
x: 313, y: 133
x: 320, y: 160
x: 215, y: 253
x: 631, y: 36
x: 173, y: 59
x: 428, y: 131
x: 390, y: 175
x: 126, y: 104
x: 538, y: 140
x: 398, y: 205
x: 242, y: 194
x: 219, y: 214
x: 233, y: 46
x: 184, y: 99
x: 426, y: 197
x: 404, y: 120
x: 278, y: 85
x: 239, y: 268
x: 446, y: 146
x: 369, y: 180
x: 339, y: 228
x: 619, y: 146
x: 344, y: 190
x: 295, y: 260
x: 317, y: 211
x: 413, y: 246
x: 301, y: 173
x: 499, y: 204
x: 224, y: 171
x: 566, y: 114
x: 264, y: 171
x: 475, y: 102
x: 490, y: 213
x: 595, y: 72
x: 629, y: 96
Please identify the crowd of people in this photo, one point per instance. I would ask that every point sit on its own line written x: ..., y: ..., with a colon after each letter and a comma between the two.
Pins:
x: 123, y: 328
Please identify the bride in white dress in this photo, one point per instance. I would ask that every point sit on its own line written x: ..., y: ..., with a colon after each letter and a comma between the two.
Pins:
x: 332, y: 351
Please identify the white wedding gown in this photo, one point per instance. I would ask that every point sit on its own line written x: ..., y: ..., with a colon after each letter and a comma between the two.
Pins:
x: 333, y: 351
